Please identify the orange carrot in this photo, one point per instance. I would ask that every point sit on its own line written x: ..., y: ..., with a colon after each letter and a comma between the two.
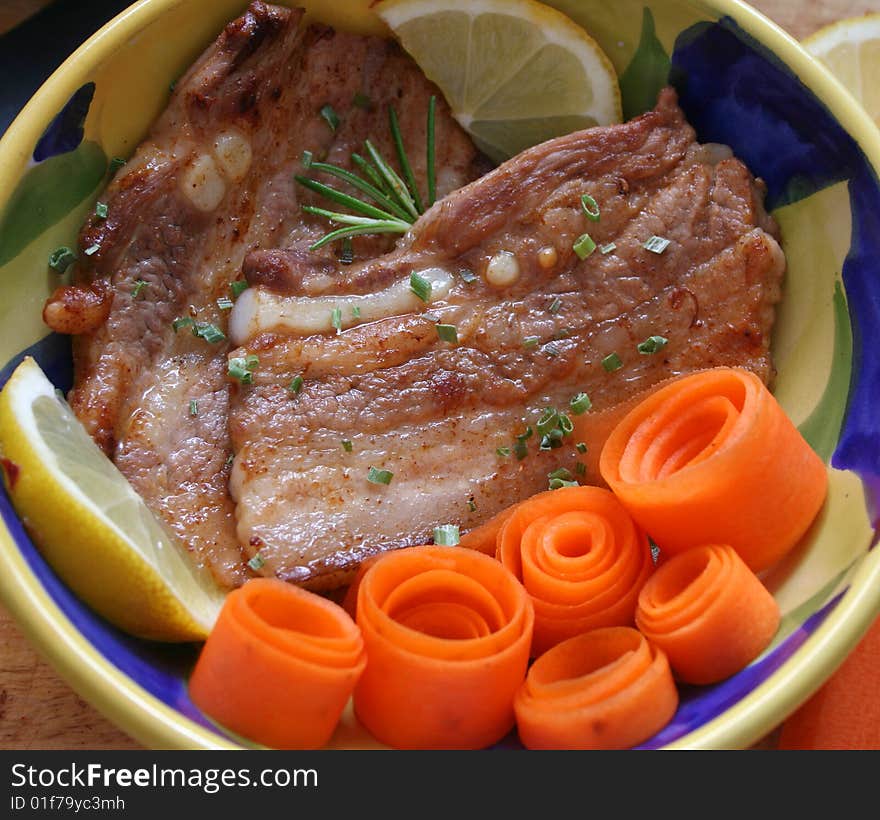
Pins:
x: 447, y: 633
x: 581, y: 558
x: 605, y: 689
x: 712, y: 458
x: 708, y: 612
x: 279, y: 665
x: 349, y: 602
x: 483, y: 538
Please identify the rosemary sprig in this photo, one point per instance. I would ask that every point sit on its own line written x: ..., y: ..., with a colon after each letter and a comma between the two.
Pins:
x: 394, y: 199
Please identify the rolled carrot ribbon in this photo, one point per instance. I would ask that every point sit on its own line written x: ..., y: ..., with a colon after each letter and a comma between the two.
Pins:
x: 712, y: 458
x: 605, y: 689
x: 279, y: 665
x: 485, y: 537
x: 708, y: 612
x: 581, y: 558
x: 447, y: 633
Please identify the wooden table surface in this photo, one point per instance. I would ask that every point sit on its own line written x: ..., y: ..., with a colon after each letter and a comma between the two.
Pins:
x: 37, y: 709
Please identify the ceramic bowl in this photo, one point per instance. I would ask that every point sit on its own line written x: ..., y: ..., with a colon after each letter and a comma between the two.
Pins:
x: 742, y: 81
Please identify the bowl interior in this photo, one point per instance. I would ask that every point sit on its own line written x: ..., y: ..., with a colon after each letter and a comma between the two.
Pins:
x: 740, y: 83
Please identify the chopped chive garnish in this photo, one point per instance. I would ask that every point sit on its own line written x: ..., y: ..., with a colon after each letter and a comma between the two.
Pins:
x: 336, y: 319
x: 241, y: 368
x: 520, y: 449
x: 193, y: 407
x: 612, y: 362
x: 555, y: 306
x: 61, y: 259
x: 375, y: 476
x: 361, y: 100
x: 307, y: 158
x: 531, y: 341
x: 296, y: 384
x: 504, y: 452
x: 229, y: 459
x: 561, y: 478
x: 565, y: 424
x: 355, y: 312
x: 563, y: 333
x: 448, y: 333
x: 256, y: 562
x: 525, y: 436
x: 330, y: 117
x: 185, y: 321
x: 115, y: 164
x: 652, y: 344
x: 101, y: 210
x: 93, y: 249
x: 580, y: 403
x: 447, y: 535
x: 139, y: 285
x: 580, y: 468
x: 584, y: 246
x: 656, y: 244
x: 606, y: 249
x: 551, y: 350
x: 225, y: 303
x: 238, y: 287
x: 590, y: 208
x: 468, y: 275
x: 210, y: 333
x: 346, y: 254
x: 420, y: 286
x: 581, y: 447
x: 552, y: 440
x: 548, y: 421
x: 472, y: 505
x: 347, y: 445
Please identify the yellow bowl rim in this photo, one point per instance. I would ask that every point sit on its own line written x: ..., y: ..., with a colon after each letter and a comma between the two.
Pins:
x: 154, y: 724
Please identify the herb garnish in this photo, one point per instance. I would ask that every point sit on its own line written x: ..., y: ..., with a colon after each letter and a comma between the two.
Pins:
x: 584, y: 246
x: 612, y: 362
x: 375, y: 476
x: 238, y: 287
x: 139, y: 285
x: 561, y: 478
x: 256, y: 562
x: 652, y: 344
x: 296, y: 384
x: 448, y: 333
x: 397, y: 202
x: 580, y: 403
x: 330, y: 117
x: 242, y: 368
x: 656, y: 244
x: 101, y: 210
x: 447, y: 535
x: 590, y: 208
x: 61, y: 259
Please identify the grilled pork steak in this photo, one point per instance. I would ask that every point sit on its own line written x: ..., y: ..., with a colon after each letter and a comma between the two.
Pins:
x: 441, y: 411
x: 212, y: 186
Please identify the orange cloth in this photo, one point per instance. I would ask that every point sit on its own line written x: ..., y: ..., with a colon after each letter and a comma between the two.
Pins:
x: 845, y: 712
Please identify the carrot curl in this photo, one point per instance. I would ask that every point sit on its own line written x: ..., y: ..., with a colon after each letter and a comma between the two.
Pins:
x: 279, y: 665
x: 581, y: 558
x: 605, y: 689
x: 712, y: 458
x: 447, y: 633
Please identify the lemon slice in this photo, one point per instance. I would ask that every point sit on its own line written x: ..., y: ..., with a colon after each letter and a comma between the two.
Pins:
x: 514, y: 72
x: 90, y: 525
x: 851, y: 49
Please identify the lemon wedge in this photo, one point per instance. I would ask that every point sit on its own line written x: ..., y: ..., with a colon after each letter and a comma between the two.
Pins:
x: 851, y: 49
x: 514, y: 72
x: 89, y: 523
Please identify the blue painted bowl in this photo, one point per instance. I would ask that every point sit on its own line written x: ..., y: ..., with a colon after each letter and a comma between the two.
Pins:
x: 741, y: 81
